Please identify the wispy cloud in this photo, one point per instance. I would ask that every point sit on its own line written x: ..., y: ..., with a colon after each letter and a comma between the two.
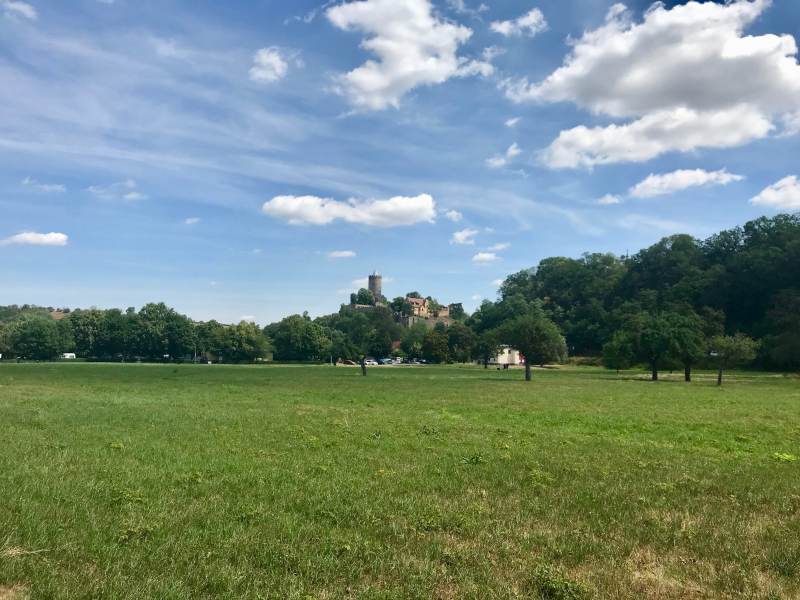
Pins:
x: 465, y: 237
x: 485, y: 257
x: 123, y: 190
x: 32, y: 238
x: 341, y: 254
x: 44, y: 187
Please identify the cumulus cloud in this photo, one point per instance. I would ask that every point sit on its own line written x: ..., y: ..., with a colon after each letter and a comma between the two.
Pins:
x: 44, y: 187
x: 32, y: 238
x: 454, y: 216
x: 498, y: 282
x: 123, y: 190
x: 484, y: 257
x: 464, y: 237
x: 609, y: 200
x: 529, y: 24
x: 501, y: 160
x: 312, y: 210
x: 191, y: 221
x: 669, y: 183
x: 269, y: 66
x: 16, y: 8
x: 341, y: 254
x: 513, y: 122
x: 414, y: 48
x: 687, y: 76
x: 681, y: 129
x: 784, y: 195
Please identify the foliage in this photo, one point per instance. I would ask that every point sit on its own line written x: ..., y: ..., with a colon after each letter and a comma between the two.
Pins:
x: 732, y: 350
x: 536, y: 337
x: 298, y: 338
x: 434, y: 345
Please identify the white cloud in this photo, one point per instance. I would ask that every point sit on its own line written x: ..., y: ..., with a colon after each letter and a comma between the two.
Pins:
x: 247, y: 319
x: 123, y: 190
x: 609, y: 199
x: 414, y: 48
x: 498, y: 282
x: 476, y: 297
x: 681, y: 129
x: 784, y: 195
x: 454, y: 216
x: 341, y: 254
x: 648, y: 223
x: 669, y: 183
x: 44, y: 187
x: 484, y: 257
x: 461, y: 7
x: 15, y: 8
x: 32, y: 238
x: 513, y: 122
x: 499, y: 247
x: 312, y: 210
x: 501, y: 160
x: 465, y: 237
x: 529, y: 24
x: 269, y: 66
x: 687, y: 76
x: 191, y: 221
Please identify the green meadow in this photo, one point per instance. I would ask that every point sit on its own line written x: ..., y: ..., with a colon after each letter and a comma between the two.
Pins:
x: 142, y: 481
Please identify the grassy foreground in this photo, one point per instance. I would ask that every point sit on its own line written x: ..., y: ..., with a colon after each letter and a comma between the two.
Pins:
x: 311, y: 482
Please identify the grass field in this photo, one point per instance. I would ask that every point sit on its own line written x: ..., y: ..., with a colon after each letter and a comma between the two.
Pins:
x: 312, y: 482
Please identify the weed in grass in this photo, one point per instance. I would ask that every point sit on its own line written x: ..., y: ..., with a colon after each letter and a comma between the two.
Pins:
x: 473, y: 459
x: 548, y: 583
x: 784, y: 457
x: 134, y: 533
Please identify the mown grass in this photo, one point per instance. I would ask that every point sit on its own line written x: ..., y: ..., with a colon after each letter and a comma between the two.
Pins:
x: 312, y: 482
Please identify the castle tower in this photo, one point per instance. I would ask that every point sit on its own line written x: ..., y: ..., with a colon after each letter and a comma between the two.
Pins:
x: 376, y: 286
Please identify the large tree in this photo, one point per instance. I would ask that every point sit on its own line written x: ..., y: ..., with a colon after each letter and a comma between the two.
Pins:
x: 536, y: 337
x: 732, y: 351
x: 298, y: 338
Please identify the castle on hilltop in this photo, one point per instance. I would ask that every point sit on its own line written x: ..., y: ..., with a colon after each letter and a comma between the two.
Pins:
x: 408, y: 310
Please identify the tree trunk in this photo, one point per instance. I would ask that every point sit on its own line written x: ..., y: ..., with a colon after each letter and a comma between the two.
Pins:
x: 364, y: 367
x: 485, y: 363
x: 654, y: 369
x: 527, y: 371
x: 719, y: 377
x: 687, y: 374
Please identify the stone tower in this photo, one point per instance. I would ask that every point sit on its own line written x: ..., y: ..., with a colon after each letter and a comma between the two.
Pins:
x: 376, y: 286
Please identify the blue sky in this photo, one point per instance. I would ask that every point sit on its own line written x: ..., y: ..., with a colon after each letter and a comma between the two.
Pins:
x: 257, y: 158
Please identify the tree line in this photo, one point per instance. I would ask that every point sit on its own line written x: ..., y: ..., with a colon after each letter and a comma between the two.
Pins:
x: 731, y: 299
x: 153, y: 333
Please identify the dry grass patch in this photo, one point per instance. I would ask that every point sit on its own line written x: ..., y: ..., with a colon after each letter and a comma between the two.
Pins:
x: 15, y: 592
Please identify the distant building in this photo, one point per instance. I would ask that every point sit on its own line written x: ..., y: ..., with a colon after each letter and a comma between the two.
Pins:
x: 419, y: 307
x: 506, y: 356
x: 376, y: 286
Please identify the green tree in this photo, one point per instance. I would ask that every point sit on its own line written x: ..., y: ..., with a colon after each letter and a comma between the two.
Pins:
x: 248, y: 342
x: 536, y: 337
x: 487, y: 347
x: 731, y: 351
x: 619, y: 352
x: 86, y: 328
x: 37, y: 338
x: 364, y: 296
x: 783, y: 345
x: 460, y: 342
x: 298, y: 338
x: 413, y: 339
x: 457, y: 312
x: 434, y: 345
x: 163, y: 333
x: 691, y: 345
